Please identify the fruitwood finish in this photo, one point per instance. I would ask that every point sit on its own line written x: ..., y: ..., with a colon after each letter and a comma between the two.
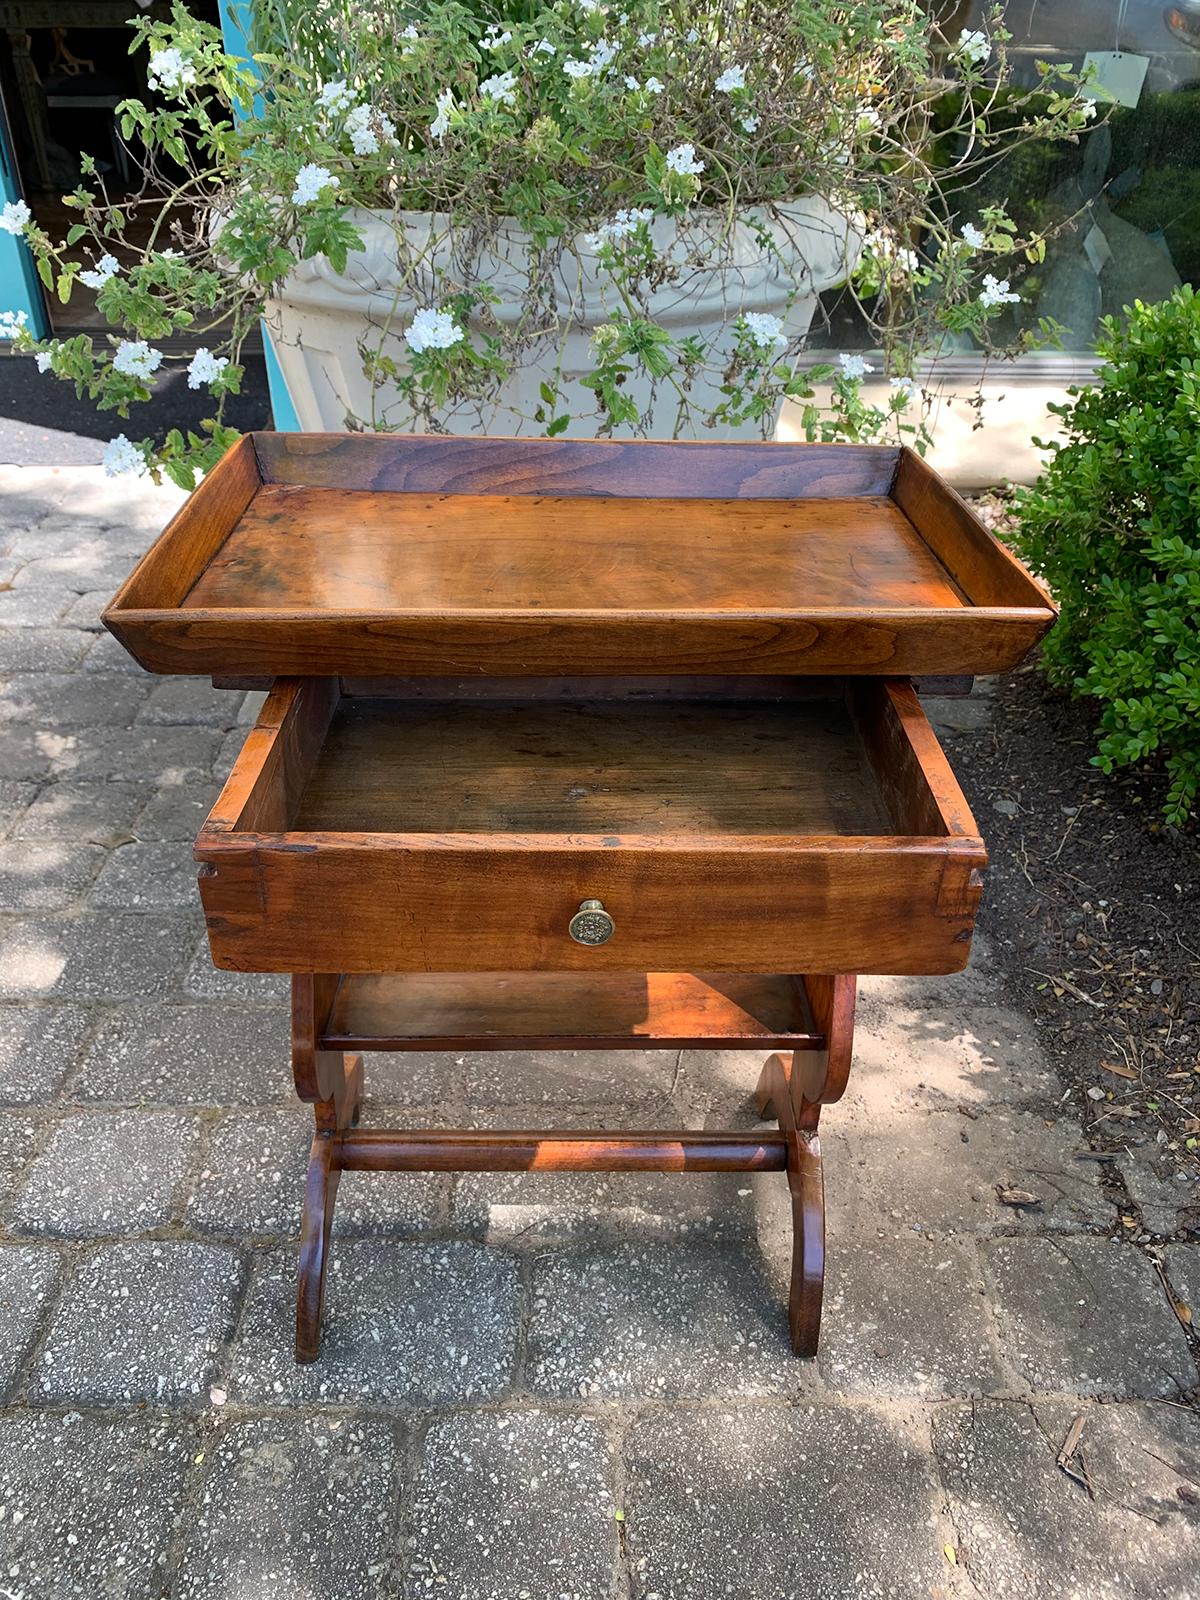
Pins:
x: 509, y: 676
x: 766, y: 836
x: 305, y: 554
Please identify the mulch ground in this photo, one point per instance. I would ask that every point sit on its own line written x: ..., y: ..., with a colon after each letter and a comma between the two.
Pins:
x: 1094, y: 904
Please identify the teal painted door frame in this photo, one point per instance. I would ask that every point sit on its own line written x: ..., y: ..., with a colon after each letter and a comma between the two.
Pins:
x: 19, y: 286
x: 235, y: 29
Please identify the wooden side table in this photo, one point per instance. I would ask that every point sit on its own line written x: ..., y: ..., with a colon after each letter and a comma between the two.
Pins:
x: 580, y: 745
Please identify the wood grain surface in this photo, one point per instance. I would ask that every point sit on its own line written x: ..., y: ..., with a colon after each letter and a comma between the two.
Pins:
x: 393, y: 556
x: 356, y: 550
x: 599, y: 767
x: 569, y: 1011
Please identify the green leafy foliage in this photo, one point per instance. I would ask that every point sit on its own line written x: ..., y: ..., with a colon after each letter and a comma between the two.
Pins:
x: 1113, y: 526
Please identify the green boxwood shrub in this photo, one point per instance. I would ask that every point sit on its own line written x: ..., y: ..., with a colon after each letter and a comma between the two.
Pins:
x: 1113, y: 526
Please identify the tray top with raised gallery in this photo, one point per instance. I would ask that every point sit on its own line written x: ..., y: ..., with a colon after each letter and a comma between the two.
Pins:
x: 581, y: 744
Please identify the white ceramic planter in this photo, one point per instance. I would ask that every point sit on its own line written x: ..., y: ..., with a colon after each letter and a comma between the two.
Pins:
x: 323, y: 320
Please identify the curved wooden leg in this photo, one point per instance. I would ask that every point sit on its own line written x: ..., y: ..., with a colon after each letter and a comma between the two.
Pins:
x: 341, y: 1110
x: 776, y: 1096
x: 807, y: 1184
x: 316, y: 1222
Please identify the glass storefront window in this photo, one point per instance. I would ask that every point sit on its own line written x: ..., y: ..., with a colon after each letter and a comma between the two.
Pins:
x: 1125, y: 201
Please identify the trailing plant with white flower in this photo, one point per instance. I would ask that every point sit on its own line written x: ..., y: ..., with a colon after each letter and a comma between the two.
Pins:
x: 557, y: 177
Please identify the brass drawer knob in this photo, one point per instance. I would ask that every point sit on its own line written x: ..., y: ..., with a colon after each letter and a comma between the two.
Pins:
x: 591, y: 924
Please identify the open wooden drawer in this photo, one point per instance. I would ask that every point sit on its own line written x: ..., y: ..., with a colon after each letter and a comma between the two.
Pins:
x: 726, y: 826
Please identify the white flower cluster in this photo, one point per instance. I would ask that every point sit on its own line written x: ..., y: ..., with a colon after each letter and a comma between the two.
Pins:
x: 601, y: 57
x: 204, y: 368
x: 44, y: 359
x: 440, y: 126
x: 854, y: 367
x: 365, y: 126
x: 622, y: 225
x: 136, y: 359
x: 764, y: 330
x: 906, y: 389
x: 750, y: 124
x: 682, y: 159
x: 995, y: 292
x: 310, y: 180
x: 972, y: 47
x: 543, y: 48
x: 732, y: 79
x: 170, y: 70
x: 646, y: 40
x: 15, y: 217
x: 973, y: 236
x: 500, y: 87
x: 121, y: 456
x: 493, y: 38
x: 654, y: 86
x: 432, y: 329
x: 336, y: 96
x: 96, y: 277
x: 12, y: 323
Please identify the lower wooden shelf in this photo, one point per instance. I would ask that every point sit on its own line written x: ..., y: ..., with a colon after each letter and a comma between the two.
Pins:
x: 569, y: 1010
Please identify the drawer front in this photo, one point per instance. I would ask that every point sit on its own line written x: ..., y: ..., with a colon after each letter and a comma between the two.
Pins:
x: 420, y: 904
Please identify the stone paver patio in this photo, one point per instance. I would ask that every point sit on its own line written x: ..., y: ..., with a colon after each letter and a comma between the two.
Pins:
x: 531, y: 1388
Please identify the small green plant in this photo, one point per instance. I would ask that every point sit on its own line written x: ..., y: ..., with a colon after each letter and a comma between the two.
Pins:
x: 1113, y: 525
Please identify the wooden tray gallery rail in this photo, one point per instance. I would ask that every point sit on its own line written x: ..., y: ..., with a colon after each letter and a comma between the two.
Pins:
x: 410, y: 556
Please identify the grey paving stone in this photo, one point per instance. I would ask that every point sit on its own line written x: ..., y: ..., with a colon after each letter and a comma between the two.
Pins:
x: 98, y: 813
x: 538, y: 1207
x: 105, y: 1173
x: 86, y: 611
x: 26, y: 753
x: 38, y: 1047
x: 405, y: 1324
x: 907, y: 1316
x: 27, y: 1278
x: 294, y: 1508
x: 73, y: 700
x: 159, y: 755
x: 141, y: 1322
x: 629, y: 1321
x: 809, y: 1503
x: 98, y: 955
x: 46, y: 876
x: 1182, y: 1265
x: 189, y: 1055
x: 177, y: 812
x: 150, y: 877
x: 1168, y: 1198
x: 514, y: 1504
x: 1086, y: 1316
x: 35, y: 606
x: 252, y: 1179
x: 15, y: 795
x: 569, y: 1078
x: 252, y: 1183
x: 91, y: 566
x: 192, y: 701
x: 203, y: 981
x: 1028, y: 1532
x: 104, y: 654
x: 40, y: 649
x: 18, y: 1140
x: 413, y: 1078
x: 90, y: 1504
x: 943, y: 1171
